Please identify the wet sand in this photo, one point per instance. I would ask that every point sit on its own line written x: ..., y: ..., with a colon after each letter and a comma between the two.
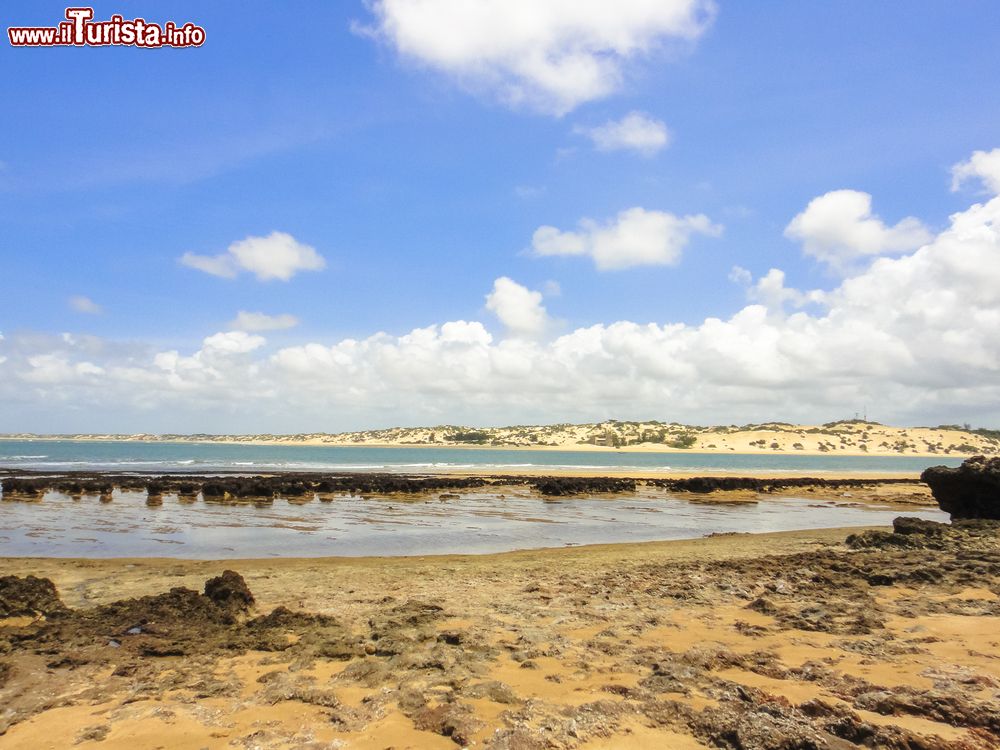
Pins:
x: 771, y: 640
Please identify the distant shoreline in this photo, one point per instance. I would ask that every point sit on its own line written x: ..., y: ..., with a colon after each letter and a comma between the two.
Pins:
x: 640, y: 474
x: 569, y: 448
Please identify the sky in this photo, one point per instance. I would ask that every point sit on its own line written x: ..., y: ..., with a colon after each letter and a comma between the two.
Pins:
x: 351, y: 215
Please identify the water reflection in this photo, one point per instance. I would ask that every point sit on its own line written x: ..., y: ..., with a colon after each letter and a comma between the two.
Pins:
x: 128, y: 524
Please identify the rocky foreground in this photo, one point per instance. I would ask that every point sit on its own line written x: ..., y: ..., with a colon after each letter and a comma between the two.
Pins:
x: 804, y: 640
x: 890, y: 639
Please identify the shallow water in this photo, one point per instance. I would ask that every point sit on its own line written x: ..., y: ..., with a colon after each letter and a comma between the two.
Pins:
x: 69, y: 455
x: 475, y: 522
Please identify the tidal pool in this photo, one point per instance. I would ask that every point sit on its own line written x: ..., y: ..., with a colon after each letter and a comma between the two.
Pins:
x: 469, y: 523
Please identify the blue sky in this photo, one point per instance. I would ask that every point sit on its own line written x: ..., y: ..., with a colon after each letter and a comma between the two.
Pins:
x: 420, y: 184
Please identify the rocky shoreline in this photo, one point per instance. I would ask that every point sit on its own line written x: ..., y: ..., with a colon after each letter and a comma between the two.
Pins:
x: 835, y: 645
x: 32, y: 484
x: 884, y: 638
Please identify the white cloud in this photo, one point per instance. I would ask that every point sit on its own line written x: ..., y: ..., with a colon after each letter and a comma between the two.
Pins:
x: 57, y: 368
x: 636, y: 237
x: 276, y: 256
x: 232, y: 342
x: 770, y: 291
x: 912, y: 336
x: 740, y: 275
x: 551, y: 56
x: 982, y: 165
x: 636, y: 132
x: 838, y: 228
x: 551, y: 241
x: 258, y: 321
x: 518, y: 308
x: 216, y: 265
x: 85, y: 305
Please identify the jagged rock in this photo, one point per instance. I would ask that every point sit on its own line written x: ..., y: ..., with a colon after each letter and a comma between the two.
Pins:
x: 907, y: 533
x: 757, y: 722
x: 27, y: 488
x: 230, y: 591
x: 215, y: 488
x: 956, y: 710
x: 28, y: 597
x: 970, y: 491
x: 906, y: 525
x: 841, y: 722
x: 454, y: 720
x: 704, y: 485
x: 558, y: 486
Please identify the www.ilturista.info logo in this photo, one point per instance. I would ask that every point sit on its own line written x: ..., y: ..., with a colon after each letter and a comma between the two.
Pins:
x: 80, y: 30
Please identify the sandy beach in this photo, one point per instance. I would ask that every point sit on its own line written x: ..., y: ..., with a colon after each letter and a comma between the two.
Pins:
x: 790, y: 637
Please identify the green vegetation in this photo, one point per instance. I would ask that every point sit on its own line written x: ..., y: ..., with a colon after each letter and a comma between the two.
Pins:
x: 473, y: 436
x: 851, y: 423
x: 684, y: 440
x: 981, y: 431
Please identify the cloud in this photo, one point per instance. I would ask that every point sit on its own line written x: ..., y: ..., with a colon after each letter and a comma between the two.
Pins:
x: 85, y: 305
x: 518, y: 308
x: 232, y: 342
x: 982, y: 165
x: 276, y: 256
x: 740, y: 275
x: 913, y: 336
x: 56, y: 368
x: 770, y: 291
x: 551, y: 56
x: 636, y: 237
x: 257, y: 321
x: 838, y: 228
x: 215, y: 265
x: 636, y: 132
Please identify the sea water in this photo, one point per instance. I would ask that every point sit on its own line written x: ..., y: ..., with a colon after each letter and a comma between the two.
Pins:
x: 468, y: 523
x: 123, y: 456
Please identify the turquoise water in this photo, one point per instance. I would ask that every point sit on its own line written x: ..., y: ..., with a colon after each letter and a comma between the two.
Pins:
x: 67, y: 455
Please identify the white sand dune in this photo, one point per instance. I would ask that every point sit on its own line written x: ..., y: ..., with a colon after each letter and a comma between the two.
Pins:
x: 848, y: 438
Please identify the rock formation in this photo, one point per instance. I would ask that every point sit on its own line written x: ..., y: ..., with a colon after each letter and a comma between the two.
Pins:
x: 970, y: 491
x: 28, y: 597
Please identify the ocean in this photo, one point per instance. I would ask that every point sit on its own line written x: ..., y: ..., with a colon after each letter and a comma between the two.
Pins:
x: 69, y: 455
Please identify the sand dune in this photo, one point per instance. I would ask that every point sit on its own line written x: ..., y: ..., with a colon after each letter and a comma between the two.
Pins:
x: 848, y: 438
